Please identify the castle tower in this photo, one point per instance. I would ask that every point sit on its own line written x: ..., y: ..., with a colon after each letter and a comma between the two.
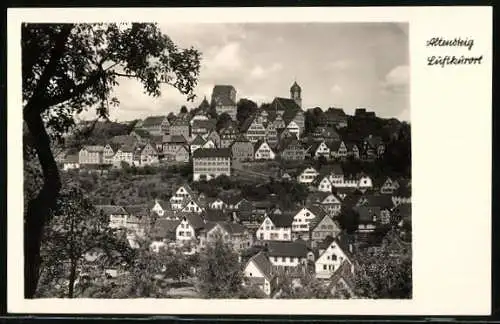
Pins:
x: 295, y: 94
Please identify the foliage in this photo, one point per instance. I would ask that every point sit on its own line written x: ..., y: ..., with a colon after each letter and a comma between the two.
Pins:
x: 348, y: 219
x: 223, y: 120
x: 305, y: 287
x: 312, y: 119
x: 244, y: 109
x: 75, y: 229
x: 386, y: 273
x: 67, y: 68
x: 220, y: 274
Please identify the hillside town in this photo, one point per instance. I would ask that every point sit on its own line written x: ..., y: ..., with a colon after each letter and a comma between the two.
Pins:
x: 225, y: 143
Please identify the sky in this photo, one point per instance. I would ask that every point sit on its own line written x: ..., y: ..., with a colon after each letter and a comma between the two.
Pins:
x: 344, y: 65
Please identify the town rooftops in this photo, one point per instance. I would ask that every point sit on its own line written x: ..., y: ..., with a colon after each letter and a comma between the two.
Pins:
x: 111, y: 209
x: 142, y: 133
x: 214, y: 215
x: 212, y: 152
x: 209, y: 124
x: 194, y: 220
x: 367, y: 213
x: 198, y: 140
x: 231, y: 228
x: 137, y: 210
x: 164, y: 228
x: 71, y: 158
x: 283, y: 220
x: 174, y: 139
x: 284, y: 104
x: 94, y: 148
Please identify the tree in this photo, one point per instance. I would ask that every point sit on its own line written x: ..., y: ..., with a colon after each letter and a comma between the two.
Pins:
x: 386, y: 273
x: 75, y: 229
x: 244, y: 109
x: 349, y: 219
x: 220, y: 274
x: 312, y: 119
x: 306, y: 286
x: 67, y: 68
x: 184, y: 110
x: 212, y: 111
x: 223, y: 120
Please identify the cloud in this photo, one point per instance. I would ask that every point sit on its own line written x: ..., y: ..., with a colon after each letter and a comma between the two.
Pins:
x: 336, y: 89
x: 340, y: 65
x: 259, y: 72
x: 227, y: 57
x: 397, y: 80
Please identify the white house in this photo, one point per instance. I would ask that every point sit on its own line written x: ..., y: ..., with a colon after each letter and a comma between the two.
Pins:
x: 302, y: 220
x: 263, y: 151
x: 324, y: 184
x: 182, y: 193
x: 332, y: 254
x: 286, y: 256
x: 365, y: 182
x: 217, y: 204
x: 307, y: 175
x: 196, y: 143
x: 276, y: 228
x: 188, y: 229
x: 209, y: 144
x: 259, y: 271
x: 159, y: 207
x: 293, y: 128
x: 331, y: 204
x: 321, y: 150
x: 191, y: 206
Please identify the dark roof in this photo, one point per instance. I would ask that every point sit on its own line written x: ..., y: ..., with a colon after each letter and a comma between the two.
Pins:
x: 142, y: 133
x: 382, y: 201
x: 111, y: 209
x: 194, y: 220
x: 343, y: 272
x: 223, y: 94
x: 214, y: 215
x: 247, y: 123
x: 331, y: 169
x: 113, y: 146
x: 174, y: 139
x: 232, y: 228
x: 366, y: 213
x: 295, y: 87
x: 289, y: 142
x: 285, y: 104
x: 180, y: 121
x: 282, y: 220
x: 72, y: 158
x: 212, y: 152
x: 137, y: 210
x: 127, y: 148
x: 153, y: 121
x: 198, y: 140
x: 286, y: 249
x: 209, y: 124
x: 317, y: 196
x: 164, y: 228
x: 262, y: 262
x: 316, y: 210
x: 402, y: 191
x: 258, y: 144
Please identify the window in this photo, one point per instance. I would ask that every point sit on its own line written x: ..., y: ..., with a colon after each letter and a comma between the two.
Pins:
x: 334, y: 257
x: 324, y: 266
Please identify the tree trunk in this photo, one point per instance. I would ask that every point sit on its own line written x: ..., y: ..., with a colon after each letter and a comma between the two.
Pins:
x: 72, y: 279
x: 39, y: 208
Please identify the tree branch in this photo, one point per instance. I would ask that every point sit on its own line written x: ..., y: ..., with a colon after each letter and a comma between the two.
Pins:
x: 49, y: 71
x: 74, y: 92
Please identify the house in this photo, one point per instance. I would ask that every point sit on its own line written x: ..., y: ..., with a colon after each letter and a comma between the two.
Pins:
x: 180, y: 156
x: 190, y: 205
x: 353, y: 151
x: 364, y: 183
x: 91, y: 154
x: 373, y: 147
x: 155, y: 125
x: 203, y: 127
x: 303, y: 218
x: 204, y: 107
x: 254, y: 130
x: 323, y: 183
x: 214, y: 137
x: 196, y: 143
x: 242, y: 149
x: 276, y: 228
x: 172, y: 143
x: 160, y: 207
x: 117, y: 215
x: 402, y: 195
x: 319, y: 149
x: 271, y: 134
x: 139, y: 219
x: 388, y: 187
x: 287, y: 256
x: 224, y: 100
x: 238, y: 236
x: 336, y: 117
x: 325, y: 133
x: 180, y: 127
x: 323, y: 227
x: 338, y: 150
x: 148, y: 155
x: 183, y: 192
x: 292, y: 150
x: 125, y: 154
x: 211, y: 163
x: 326, y: 200
x: 228, y: 135
x: 164, y: 230
x: 199, y: 115
x: 209, y: 144
x: 141, y: 136
x: 259, y: 271
x: 71, y: 161
x: 384, y: 202
x: 294, y: 129
x: 109, y: 152
x: 307, y: 175
x: 368, y: 218
x: 342, y: 282
x: 217, y: 203
x: 263, y: 151
x: 285, y: 133
x: 333, y: 253
x: 189, y: 228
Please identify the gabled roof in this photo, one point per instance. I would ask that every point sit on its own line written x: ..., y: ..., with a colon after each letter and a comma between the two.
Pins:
x: 284, y: 104
x: 286, y: 249
x: 94, y: 148
x: 163, y: 204
x: 316, y: 210
x: 214, y: 215
x: 127, y: 148
x: 343, y: 272
x: 317, y: 196
x: 113, y: 146
x: 232, y: 228
x: 164, y: 228
x: 194, y: 220
x: 212, y: 152
x: 258, y: 144
x: 282, y: 220
x: 198, y: 140
x: 247, y: 123
x: 318, y: 220
x: 111, y: 210
x: 263, y: 264
x: 366, y: 214
x: 240, y: 139
x: 153, y: 121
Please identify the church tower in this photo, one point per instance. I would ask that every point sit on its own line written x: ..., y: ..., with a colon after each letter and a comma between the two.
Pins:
x: 295, y: 94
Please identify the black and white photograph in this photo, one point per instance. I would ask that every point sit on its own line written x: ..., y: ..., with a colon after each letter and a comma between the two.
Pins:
x: 239, y: 159
x: 217, y: 161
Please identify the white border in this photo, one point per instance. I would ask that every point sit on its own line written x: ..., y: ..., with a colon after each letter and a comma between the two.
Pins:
x: 451, y: 143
